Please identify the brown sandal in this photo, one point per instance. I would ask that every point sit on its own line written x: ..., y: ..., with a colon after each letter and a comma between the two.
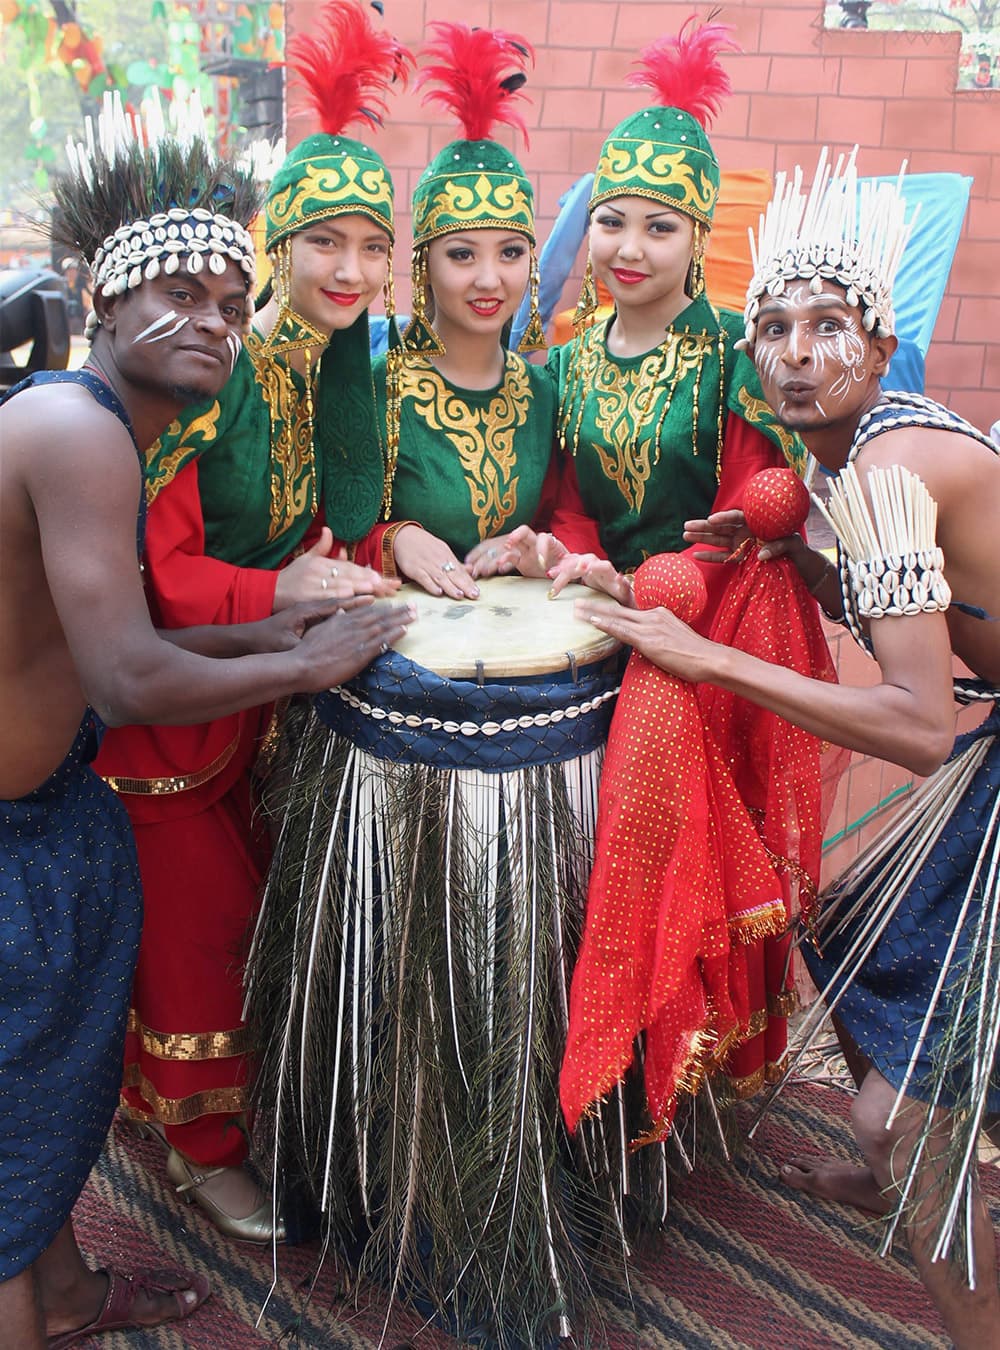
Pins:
x: 116, y: 1312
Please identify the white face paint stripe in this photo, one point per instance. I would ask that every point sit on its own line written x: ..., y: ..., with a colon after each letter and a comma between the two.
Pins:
x: 171, y: 331
x: 234, y: 350
x: 157, y: 323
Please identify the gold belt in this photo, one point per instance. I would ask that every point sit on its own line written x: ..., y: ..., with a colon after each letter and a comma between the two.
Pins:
x: 184, y: 782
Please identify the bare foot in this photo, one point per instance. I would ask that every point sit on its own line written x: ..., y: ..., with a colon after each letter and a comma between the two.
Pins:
x: 842, y: 1182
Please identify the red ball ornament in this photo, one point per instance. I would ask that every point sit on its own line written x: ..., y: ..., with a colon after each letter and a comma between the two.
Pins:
x: 673, y: 581
x: 775, y: 503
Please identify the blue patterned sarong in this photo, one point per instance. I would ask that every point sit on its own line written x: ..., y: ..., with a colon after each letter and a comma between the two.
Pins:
x: 70, y: 918
x: 884, y: 1005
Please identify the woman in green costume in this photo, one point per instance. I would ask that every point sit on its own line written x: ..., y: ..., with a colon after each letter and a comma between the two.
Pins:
x: 234, y: 490
x: 475, y: 420
x: 660, y: 418
x: 408, y: 974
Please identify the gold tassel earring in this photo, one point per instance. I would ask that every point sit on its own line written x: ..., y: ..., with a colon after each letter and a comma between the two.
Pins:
x: 586, y: 306
x: 394, y: 359
x: 389, y: 293
x: 696, y: 275
x: 533, y: 337
x: 420, y: 335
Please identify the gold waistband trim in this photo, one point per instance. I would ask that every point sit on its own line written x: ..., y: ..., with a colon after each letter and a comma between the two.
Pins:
x: 231, y: 1101
x: 191, y: 1045
x: 161, y: 787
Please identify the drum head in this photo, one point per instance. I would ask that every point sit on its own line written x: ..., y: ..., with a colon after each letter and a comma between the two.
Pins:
x: 512, y: 630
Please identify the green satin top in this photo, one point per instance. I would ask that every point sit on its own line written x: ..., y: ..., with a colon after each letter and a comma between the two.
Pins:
x: 647, y: 432
x: 471, y: 461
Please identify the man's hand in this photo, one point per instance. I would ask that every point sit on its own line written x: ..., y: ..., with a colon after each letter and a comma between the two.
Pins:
x: 285, y: 629
x: 315, y: 575
x: 336, y: 648
x: 428, y: 561
x: 658, y: 634
x: 725, y: 530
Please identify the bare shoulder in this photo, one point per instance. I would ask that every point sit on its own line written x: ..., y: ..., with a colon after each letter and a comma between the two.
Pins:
x: 60, y: 430
x: 949, y: 462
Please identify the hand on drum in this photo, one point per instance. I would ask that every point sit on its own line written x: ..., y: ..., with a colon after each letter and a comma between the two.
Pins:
x: 423, y: 558
x: 336, y: 648
x: 597, y: 573
x: 658, y: 634
x: 524, y: 551
x: 315, y: 575
x: 491, y: 558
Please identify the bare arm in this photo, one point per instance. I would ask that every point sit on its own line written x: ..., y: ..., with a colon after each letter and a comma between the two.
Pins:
x: 907, y: 718
x: 279, y: 633
x: 82, y: 476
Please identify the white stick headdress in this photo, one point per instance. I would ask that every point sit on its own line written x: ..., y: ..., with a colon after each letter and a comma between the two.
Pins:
x: 147, y: 193
x: 842, y: 230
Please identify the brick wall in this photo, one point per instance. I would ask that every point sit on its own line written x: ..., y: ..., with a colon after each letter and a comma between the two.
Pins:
x: 796, y: 87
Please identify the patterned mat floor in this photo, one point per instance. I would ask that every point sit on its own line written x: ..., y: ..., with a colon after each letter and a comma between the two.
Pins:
x: 744, y: 1264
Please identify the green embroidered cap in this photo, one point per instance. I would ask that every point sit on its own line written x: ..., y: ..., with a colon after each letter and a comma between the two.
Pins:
x: 663, y: 152
x: 346, y: 67
x: 474, y: 183
x: 326, y: 176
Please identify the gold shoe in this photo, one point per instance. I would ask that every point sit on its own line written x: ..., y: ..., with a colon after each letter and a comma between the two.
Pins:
x: 190, y: 1182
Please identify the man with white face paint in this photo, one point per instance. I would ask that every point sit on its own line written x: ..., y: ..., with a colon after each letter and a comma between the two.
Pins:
x: 908, y: 956
x: 77, y: 649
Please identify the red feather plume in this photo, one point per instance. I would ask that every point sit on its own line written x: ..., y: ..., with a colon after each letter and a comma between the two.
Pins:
x: 480, y: 71
x: 347, y: 66
x: 685, y: 71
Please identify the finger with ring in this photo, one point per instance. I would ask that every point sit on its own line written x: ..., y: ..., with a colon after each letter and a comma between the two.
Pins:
x: 323, y: 582
x: 491, y: 553
x: 447, y: 567
x: 384, y: 648
x: 335, y: 571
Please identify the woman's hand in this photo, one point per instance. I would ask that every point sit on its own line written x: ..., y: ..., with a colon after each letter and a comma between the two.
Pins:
x: 659, y: 635
x: 531, y: 554
x: 597, y: 573
x: 315, y: 575
x: 491, y: 557
x: 423, y: 558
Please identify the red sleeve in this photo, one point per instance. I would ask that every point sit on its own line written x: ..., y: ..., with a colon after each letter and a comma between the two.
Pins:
x: 745, y: 451
x: 368, y: 551
x: 569, y: 520
x: 183, y: 586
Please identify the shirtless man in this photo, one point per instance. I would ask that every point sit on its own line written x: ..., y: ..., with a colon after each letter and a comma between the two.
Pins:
x: 75, y: 636
x: 821, y: 343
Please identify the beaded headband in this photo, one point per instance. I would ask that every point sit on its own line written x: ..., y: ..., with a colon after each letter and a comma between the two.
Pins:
x: 141, y: 250
x: 143, y: 196
x: 849, y: 232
